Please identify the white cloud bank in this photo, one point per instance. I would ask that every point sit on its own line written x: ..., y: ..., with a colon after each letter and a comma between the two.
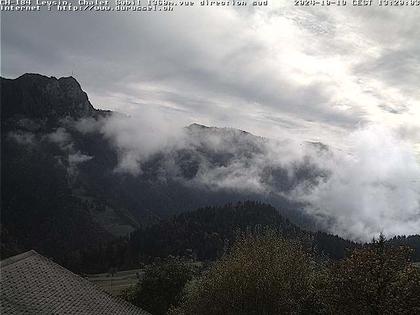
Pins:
x: 373, y: 184
x: 373, y: 188
x: 310, y: 73
x: 301, y: 73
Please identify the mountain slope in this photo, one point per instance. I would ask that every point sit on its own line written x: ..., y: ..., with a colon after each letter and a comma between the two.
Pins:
x: 41, y: 207
x: 63, y: 190
x: 206, y: 232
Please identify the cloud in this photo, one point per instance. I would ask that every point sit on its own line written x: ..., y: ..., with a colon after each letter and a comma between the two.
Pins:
x: 64, y: 140
x: 138, y: 137
x: 78, y: 157
x: 324, y: 72
x: 233, y: 160
x: 374, y: 187
x: 87, y: 125
x: 23, y: 138
x: 283, y: 72
x: 61, y: 137
x: 73, y: 160
x: 371, y: 186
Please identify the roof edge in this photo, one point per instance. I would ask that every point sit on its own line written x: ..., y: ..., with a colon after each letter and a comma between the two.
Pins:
x: 14, y: 259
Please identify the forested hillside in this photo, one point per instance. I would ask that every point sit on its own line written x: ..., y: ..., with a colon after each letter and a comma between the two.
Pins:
x: 206, y: 234
x: 72, y: 192
x: 62, y: 187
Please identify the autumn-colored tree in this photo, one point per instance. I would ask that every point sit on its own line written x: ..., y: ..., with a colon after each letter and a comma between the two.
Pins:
x: 262, y: 274
x: 375, y: 279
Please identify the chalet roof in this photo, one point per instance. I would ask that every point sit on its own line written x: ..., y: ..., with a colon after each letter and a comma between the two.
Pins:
x: 33, y: 284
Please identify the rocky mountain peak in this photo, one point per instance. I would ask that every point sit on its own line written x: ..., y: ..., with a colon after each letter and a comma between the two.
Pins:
x: 35, y: 96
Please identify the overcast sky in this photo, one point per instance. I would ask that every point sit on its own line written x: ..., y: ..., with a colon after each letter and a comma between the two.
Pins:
x: 312, y: 73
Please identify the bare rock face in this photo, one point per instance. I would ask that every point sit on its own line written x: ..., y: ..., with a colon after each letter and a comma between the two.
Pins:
x: 36, y: 97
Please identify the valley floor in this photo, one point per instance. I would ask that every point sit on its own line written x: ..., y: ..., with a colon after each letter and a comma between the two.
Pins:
x: 116, y: 283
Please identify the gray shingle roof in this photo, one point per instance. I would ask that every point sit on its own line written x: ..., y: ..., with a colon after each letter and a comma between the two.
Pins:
x: 33, y: 284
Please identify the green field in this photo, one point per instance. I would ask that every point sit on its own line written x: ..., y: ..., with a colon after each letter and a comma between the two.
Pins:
x: 116, y: 283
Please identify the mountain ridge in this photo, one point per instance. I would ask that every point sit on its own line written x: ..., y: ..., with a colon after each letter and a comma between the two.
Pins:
x: 62, y: 191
